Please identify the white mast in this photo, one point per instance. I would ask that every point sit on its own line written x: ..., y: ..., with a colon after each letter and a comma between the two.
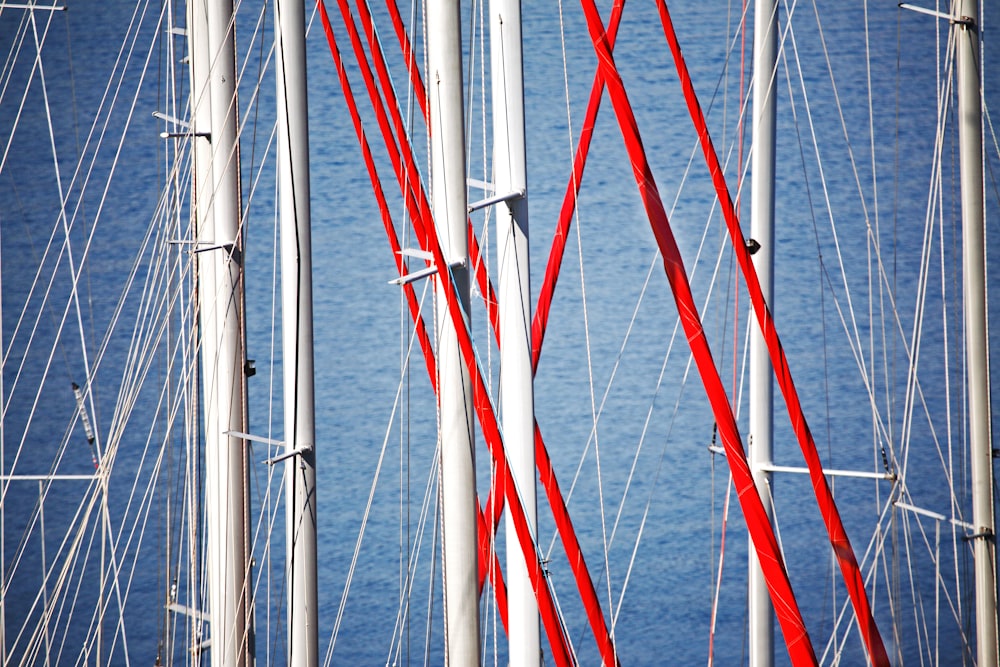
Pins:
x: 201, y: 120
x: 297, y: 331
x: 223, y: 357
x: 976, y: 336
x: 458, y: 461
x: 516, y: 386
x: 765, y: 34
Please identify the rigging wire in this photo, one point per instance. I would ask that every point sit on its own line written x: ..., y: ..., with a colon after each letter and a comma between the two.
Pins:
x: 613, y: 529
x: 86, y: 252
x: 113, y: 576
x: 401, y: 384
x: 916, y: 386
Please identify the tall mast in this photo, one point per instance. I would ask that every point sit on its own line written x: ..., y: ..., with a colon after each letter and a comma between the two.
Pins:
x: 516, y: 386
x: 458, y: 461
x: 220, y: 273
x: 201, y: 151
x: 765, y: 40
x: 297, y: 332
x: 970, y: 136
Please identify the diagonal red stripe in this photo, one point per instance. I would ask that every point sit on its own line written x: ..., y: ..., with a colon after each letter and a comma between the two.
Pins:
x: 420, y: 211
x: 824, y: 497
x: 387, y: 223
x: 495, y: 505
x: 786, y: 608
x: 541, y: 319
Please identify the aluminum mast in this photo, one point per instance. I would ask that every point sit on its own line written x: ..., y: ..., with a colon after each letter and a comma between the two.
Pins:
x: 761, y: 445
x: 970, y: 136
x: 201, y: 192
x: 516, y: 386
x: 297, y: 332
x: 223, y: 358
x: 458, y: 460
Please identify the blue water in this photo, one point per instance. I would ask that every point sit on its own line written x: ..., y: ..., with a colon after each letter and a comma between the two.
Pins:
x: 664, y: 615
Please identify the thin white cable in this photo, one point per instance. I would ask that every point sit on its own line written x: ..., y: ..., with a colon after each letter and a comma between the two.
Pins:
x: 120, y: 64
x: 36, y: 63
x: 74, y: 273
x: 102, y: 350
x: 423, y: 520
x: 13, y: 55
x: 371, y: 495
x: 92, y: 231
x: 853, y: 339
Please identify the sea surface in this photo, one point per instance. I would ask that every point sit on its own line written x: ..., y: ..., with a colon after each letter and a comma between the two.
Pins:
x: 621, y: 408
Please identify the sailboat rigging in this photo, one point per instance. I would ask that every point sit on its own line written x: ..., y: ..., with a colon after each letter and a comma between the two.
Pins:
x: 165, y: 204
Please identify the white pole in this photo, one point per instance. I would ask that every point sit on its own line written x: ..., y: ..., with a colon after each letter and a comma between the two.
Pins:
x: 199, y: 63
x: 458, y: 461
x: 761, y: 613
x: 297, y: 331
x: 976, y: 334
x: 516, y: 386
x: 223, y: 357
x: 201, y: 121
